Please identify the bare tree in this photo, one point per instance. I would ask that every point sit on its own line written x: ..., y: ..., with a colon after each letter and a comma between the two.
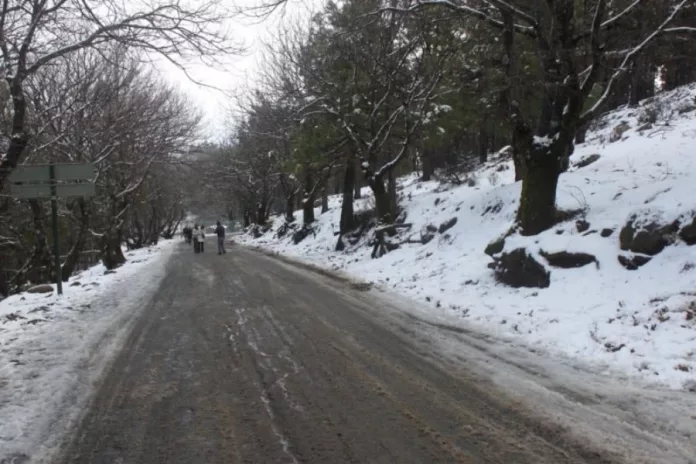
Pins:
x: 36, y: 33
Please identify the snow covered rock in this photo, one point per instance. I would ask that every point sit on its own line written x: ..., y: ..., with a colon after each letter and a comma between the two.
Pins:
x: 568, y: 260
x: 633, y: 262
x: 646, y: 233
x: 427, y: 234
x: 688, y: 233
x: 587, y: 160
x: 301, y: 234
x: 44, y: 288
x: 254, y: 231
x: 618, y: 131
x: 495, y: 247
x: 582, y: 225
x: 447, y: 225
x: 517, y: 269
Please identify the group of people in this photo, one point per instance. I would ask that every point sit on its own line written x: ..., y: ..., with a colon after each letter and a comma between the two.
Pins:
x: 196, y: 235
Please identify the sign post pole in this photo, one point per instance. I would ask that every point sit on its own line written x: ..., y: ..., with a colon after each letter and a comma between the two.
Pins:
x: 53, y: 180
x: 54, y: 225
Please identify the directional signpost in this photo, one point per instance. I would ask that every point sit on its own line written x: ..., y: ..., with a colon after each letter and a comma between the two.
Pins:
x: 53, y: 181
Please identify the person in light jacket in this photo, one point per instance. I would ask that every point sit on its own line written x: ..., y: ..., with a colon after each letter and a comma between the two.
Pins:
x: 201, y: 239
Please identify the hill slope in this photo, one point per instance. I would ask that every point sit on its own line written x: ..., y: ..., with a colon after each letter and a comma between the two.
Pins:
x: 641, y: 321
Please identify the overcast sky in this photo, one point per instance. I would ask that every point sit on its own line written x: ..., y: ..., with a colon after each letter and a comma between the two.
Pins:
x: 239, y: 71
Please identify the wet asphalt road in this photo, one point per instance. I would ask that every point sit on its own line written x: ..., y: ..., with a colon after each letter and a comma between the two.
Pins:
x: 242, y: 359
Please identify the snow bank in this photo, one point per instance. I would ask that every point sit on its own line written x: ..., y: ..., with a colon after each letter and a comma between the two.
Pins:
x: 619, y: 321
x: 52, y: 349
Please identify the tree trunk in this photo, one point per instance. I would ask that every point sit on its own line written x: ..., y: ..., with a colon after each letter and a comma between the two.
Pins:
x: 20, y: 137
x: 74, y: 254
x: 347, y: 213
x: 642, y: 82
x: 112, y: 254
x: 382, y: 202
x: 155, y: 225
x: 290, y: 207
x: 308, y: 200
x: 537, y: 211
x: 324, y: 202
x: 484, y: 140
x: 308, y: 210
x: 517, y: 150
x: 261, y: 213
x: 427, y: 165
x: 393, y: 204
x: 581, y: 134
x: 358, y: 180
x: 325, y: 194
x: 41, y: 267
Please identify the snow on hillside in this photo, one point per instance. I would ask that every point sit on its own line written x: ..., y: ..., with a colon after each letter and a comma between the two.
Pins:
x: 639, y: 322
x: 52, y: 348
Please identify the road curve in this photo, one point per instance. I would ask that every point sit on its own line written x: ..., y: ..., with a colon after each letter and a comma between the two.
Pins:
x: 242, y: 359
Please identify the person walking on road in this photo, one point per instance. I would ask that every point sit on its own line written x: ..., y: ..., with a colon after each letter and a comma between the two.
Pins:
x: 220, y: 232
x: 200, y: 237
x: 194, y: 234
x: 187, y: 233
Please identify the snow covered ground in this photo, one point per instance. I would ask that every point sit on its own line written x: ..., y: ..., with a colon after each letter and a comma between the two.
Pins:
x: 636, y: 323
x: 52, y: 349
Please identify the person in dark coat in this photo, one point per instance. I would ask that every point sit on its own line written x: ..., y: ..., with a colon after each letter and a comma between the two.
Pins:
x: 220, y: 232
x: 194, y: 234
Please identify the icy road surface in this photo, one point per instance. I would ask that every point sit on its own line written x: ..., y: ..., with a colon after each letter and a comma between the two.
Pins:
x: 244, y: 359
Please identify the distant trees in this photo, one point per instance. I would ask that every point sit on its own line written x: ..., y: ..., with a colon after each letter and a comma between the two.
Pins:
x: 434, y: 86
x: 105, y: 108
x: 75, y: 89
x: 37, y: 33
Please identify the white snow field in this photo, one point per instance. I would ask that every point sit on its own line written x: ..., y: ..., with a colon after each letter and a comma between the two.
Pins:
x: 639, y: 325
x: 54, y: 348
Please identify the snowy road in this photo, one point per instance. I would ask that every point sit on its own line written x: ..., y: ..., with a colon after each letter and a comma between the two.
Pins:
x: 242, y: 359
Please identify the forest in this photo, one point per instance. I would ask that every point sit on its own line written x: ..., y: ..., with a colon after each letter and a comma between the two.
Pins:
x: 362, y: 92
x: 367, y: 91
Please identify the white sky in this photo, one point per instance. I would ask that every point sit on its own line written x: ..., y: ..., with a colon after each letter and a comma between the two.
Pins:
x: 239, y: 71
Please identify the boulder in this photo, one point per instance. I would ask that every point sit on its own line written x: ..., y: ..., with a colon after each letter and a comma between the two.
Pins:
x: 301, y: 234
x: 495, y: 247
x: 568, y: 260
x: 648, y: 238
x: 582, y: 225
x: 426, y: 237
x: 255, y: 231
x: 587, y: 160
x: 519, y: 269
x: 688, y: 232
x: 427, y: 233
x: 285, y: 228
x: 43, y: 288
x: 447, y: 225
x: 633, y: 262
x: 618, y: 131
x: 606, y: 232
